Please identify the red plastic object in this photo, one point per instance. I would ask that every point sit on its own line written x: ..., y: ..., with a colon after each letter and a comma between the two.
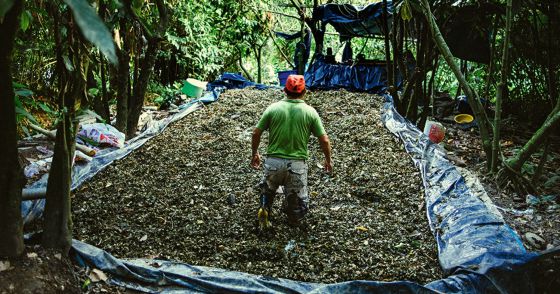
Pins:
x: 436, y: 134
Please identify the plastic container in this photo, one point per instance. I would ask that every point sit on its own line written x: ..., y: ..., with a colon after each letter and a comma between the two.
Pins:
x: 463, y: 118
x: 283, y: 76
x: 194, y: 88
x: 435, y: 131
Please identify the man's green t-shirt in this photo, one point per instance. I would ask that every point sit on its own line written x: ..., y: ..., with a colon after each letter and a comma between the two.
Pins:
x: 289, y: 123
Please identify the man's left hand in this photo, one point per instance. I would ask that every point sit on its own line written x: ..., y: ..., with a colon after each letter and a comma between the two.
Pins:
x: 256, y: 161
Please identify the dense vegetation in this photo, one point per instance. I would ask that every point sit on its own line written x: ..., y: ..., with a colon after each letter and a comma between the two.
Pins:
x: 59, y: 58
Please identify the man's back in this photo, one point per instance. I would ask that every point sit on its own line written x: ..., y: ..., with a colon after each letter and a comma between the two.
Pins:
x: 290, y: 122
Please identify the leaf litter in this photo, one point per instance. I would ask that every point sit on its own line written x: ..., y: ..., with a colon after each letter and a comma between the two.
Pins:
x: 191, y: 190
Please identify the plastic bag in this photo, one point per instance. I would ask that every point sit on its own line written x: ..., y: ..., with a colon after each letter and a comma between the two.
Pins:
x: 100, y: 134
x: 435, y: 131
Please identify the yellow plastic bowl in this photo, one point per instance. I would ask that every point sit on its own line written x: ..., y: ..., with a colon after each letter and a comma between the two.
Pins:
x: 463, y: 118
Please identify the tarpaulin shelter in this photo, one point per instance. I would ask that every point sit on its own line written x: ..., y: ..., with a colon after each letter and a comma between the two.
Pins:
x: 349, y: 21
x: 354, y: 21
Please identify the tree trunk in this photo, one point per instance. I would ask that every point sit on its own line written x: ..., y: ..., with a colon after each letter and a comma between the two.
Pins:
x: 137, y: 99
x: 259, y: 64
x: 542, y: 162
x: 58, y: 219
x: 553, y: 119
x: 390, y: 76
x: 57, y: 216
x: 412, y: 109
x: 103, y: 106
x: 11, y: 174
x: 123, y: 77
x: 474, y: 101
x: 536, y: 140
x: 490, y: 64
x: 428, y: 62
x: 502, y: 89
x: 396, y: 53
x: 432, y: 81
x: 247, y: 73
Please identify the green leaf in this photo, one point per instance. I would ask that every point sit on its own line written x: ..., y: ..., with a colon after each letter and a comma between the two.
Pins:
x: 18, y: 85
x: 552, y: 181
x: 137, y: 5
x: 5, y: 6
x: 67, y: 63
x: 406, y: 11
x: 26, y: 114
x: 45, y: 107
x: 26, y: 131
x: 17, y: 102
x: 93, y: 28
x: 25, y: 20
x: 24, y: 92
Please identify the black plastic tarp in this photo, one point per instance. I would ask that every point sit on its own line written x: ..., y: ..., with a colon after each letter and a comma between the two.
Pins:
x: 354, y: 21
x: 229, y: 80
x: 366, y: 78
x: 468, y: 30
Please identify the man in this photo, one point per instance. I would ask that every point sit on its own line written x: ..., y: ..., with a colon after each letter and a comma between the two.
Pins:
x: 289, y: 123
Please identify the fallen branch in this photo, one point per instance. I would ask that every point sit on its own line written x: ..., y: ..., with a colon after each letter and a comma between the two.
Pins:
x: 52, y: 135
x: 33, y: 194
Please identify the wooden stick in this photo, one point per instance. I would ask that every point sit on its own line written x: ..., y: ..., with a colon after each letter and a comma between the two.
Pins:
x: 52, y: 135
x: 33, y: 194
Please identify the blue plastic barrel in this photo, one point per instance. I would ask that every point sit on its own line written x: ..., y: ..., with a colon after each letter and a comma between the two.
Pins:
x: 283, y: 76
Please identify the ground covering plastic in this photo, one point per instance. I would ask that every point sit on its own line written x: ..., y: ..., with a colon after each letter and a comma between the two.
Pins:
x: 476, y: 249
x: 33, y: 209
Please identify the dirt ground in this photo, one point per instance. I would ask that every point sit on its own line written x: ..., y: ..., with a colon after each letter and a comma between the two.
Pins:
x: 536, y: 218
x: 38, y: 271
x: 189, y: 195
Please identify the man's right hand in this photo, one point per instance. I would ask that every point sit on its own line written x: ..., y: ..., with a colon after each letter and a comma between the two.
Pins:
x: 256, y: 161
x: 328, y: 166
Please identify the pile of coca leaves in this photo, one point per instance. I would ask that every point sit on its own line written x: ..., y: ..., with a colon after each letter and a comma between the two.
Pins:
x: 189, y: 195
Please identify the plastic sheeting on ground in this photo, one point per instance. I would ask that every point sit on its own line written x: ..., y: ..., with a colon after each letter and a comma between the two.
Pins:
x: 473, y: 239
x: 366, y: 78
x: 159, y: 276
x: 479, y: 252
x: 33, y: 209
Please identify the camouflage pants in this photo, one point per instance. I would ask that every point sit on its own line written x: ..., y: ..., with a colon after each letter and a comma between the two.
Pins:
x: 292, y: 174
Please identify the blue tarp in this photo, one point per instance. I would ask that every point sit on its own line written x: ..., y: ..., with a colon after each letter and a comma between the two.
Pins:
x: 354, y: 21
x: 231, y: 80
x: 475, y: 246
x: 33, y: 209
x: 366, y: 78
x: 476, y: 249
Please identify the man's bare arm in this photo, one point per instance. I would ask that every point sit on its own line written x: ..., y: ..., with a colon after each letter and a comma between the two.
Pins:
x: 326, y: 147
x: 255, y: 142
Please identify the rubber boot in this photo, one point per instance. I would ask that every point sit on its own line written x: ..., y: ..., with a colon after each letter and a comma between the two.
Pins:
x: 263, y: 215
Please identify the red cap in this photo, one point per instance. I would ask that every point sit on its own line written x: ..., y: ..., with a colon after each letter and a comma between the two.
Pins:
x: 295, y: 84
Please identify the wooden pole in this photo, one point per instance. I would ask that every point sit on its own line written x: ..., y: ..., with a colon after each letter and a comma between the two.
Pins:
x: 52, y: 136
